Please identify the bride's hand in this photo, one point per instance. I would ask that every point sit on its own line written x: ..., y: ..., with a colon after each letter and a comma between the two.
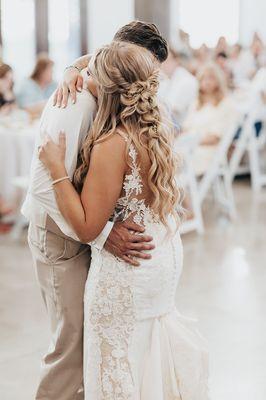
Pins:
x: 52, y: 155
x: 72, y: 82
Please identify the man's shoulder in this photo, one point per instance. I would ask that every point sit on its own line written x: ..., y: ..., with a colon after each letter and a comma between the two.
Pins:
x: 85, y: 105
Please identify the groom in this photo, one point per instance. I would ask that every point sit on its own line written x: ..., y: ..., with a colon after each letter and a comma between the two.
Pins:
x: 61, y: 261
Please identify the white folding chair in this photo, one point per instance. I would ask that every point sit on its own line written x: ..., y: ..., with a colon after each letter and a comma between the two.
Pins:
x: 249, y: 143
x: 255, y: 147
x: 240, y: 147
x: 218, y: 175
x: 186, y: 145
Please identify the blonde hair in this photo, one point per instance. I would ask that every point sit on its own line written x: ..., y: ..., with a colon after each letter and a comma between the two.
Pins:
x: 221, y: 87
x: 127, y: 79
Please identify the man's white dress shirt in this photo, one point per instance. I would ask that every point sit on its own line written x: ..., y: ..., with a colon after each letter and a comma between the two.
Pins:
x: 75, y: 120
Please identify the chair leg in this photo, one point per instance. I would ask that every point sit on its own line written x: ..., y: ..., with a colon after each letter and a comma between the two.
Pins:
x: 238, y: 153
x: 229, y: 195
x: 254, y: 165
x: 217, y: 189
x: 223, y: 193
x: 195, y: 202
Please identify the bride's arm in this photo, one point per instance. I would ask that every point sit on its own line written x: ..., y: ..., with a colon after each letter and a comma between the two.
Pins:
x: 72, y: 82
x: 88, y: 213
x: 82, y: 62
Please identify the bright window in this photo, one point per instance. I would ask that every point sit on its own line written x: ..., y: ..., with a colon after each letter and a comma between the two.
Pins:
x: 18, y: 32
x: 206, y: 20
x: 64, y: 33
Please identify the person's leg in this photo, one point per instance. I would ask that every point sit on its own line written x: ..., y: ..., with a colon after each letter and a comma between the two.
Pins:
x: 62, y: 268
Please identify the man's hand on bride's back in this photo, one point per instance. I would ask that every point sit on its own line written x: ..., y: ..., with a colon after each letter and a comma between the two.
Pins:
x: 129, y: 242
x: 71, y: 84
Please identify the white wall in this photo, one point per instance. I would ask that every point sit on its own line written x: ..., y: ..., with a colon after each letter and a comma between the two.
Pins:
x: 207, y: 20
x: 174, y: 22
x: 105, y: 18
x: 252, y: 18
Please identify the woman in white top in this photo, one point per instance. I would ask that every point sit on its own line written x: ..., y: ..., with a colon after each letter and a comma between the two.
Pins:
x: 211, y: 116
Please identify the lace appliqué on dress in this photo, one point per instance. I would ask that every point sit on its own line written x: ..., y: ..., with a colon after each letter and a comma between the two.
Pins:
x: 129, y: 204
x: 112, y: 318
x: 111, y: 323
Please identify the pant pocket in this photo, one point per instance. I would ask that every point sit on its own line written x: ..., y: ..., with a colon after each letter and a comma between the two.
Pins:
x: 51, y: 246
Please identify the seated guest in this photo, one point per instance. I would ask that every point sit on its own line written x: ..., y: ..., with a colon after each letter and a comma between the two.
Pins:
x: 211, y: 116
x: 246, y: 62
x: 221, y: 60
x: 178, y: 87
x: 258, y: 99
x: 183, y: 45
x: 7, y: 97
x: 257, y: 50
x: 221, y: 46
x: 202, y: 55
x: 238, y: 65
x: 37, y: 89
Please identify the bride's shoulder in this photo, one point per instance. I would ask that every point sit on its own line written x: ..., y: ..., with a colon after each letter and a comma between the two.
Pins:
x: 110, y: 147
x: 115, y: 138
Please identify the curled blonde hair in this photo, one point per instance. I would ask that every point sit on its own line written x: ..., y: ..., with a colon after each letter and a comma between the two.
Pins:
x: 221, y: 87
x: 127, y: 79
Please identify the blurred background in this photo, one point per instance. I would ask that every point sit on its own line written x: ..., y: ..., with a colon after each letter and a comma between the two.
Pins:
x: 214, y: 86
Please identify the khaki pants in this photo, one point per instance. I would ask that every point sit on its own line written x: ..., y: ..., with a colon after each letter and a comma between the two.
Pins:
x: 62, y: 266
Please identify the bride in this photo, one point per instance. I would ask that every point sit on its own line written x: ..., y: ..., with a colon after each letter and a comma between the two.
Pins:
x: 137, y: 346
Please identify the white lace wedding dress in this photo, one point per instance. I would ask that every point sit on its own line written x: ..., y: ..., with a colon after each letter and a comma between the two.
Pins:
x: 136, y: 344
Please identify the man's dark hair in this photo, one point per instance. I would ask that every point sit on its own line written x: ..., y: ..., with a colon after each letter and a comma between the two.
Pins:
x: 145, y: 35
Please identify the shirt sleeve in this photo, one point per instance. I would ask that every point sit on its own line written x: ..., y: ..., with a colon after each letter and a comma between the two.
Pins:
x: 74, y: 120
x: 99, y: 242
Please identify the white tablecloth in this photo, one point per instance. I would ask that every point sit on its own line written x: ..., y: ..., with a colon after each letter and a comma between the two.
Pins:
x: 16, y: 149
